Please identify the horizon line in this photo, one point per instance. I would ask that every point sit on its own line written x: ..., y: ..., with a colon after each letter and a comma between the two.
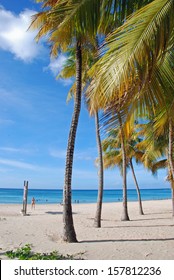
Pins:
x: 87, y: 189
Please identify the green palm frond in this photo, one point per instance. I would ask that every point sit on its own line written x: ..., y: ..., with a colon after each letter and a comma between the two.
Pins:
x: 154, y: 145
x: 65, y: 20
x: 134, y: 50
x: 112, y: 159
x: 112, y: 148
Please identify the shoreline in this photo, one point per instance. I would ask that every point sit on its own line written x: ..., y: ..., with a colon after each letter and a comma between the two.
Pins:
x: 85, y: 203
x: 150, y: 236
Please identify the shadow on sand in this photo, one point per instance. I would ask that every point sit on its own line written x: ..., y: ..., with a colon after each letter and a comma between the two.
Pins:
x: 56, y: 213
x: 53, y: 212
x: 138, y: 226
x: 127, y: 240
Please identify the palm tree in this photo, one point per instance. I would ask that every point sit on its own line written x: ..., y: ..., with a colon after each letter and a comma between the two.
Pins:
x: 155, y: 146
x: 137, y: 188
x: 113, y: 155
x: 118, y: 13
x: 97, y: 219
x: 67, y: 24
x: 121, y: 11
x: 67, y: 72
x: 137, y: 68
x: 125, y: 216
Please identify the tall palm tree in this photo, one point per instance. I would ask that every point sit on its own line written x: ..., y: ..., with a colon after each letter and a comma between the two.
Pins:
x: 69, y: 23
x: 97, y: 219
x: 137, y: 67
x: 121, y: 11
x: 125, y: 216
x: 69, y: 71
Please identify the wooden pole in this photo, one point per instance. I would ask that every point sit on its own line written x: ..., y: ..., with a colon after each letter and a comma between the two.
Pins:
x: 25, y: 198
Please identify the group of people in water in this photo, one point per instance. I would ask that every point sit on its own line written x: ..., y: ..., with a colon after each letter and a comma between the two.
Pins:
x: 33, y: 202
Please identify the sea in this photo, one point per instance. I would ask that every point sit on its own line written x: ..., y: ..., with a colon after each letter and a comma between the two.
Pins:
x: 50, y: 196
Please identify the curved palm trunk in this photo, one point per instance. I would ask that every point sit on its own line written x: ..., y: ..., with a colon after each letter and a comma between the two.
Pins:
x: 97, y: 220
x: 171, y: 161
x: 172, y: 189
x: 171, y: 151
x: 69, y: 234
x: 125, y: 216
x: 137, y: 188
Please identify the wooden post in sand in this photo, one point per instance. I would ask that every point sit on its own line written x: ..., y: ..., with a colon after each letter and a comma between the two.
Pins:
x: 24, y: 210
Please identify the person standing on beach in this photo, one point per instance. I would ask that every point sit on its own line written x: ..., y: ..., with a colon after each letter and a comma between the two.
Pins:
x: 33, y: 203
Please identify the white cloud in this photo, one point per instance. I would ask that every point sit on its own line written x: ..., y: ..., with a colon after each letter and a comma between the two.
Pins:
x: 14, y: 36
x: 16, y: 150
x: 58, y: 153
x: 83, y: 156
x: 18, y: 164
x: 28, y: 166
x: 56, y: 66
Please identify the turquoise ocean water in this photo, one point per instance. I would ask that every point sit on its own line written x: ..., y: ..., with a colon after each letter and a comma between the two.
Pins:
x: 15, y: 196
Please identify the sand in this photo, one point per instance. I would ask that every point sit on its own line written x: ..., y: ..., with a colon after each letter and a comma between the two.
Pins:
x: 150, y: 236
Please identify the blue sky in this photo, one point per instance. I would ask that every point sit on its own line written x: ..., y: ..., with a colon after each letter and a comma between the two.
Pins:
x: 34, y: 116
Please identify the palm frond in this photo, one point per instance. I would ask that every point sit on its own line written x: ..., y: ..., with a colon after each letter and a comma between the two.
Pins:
x: 159, y: 165
x: 133, y: 51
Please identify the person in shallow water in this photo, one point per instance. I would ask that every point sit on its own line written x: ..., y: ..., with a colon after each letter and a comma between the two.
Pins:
x: 33, y: 203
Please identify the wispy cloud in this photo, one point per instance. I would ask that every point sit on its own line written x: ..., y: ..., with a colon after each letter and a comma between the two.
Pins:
x: 86, y: 155
x: 6, y: 122
x: 18, y: 164
x: 29, y: 166
x: 16, y: 150
x: 56, y: 66
x: 14, y: 36
x: 57, y: 153
x: 15, y: 99
x: 66, y: 82
x: 84, y: 174
x: 83, y: 156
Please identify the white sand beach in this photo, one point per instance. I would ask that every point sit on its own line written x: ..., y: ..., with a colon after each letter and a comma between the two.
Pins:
x: 150, y: 236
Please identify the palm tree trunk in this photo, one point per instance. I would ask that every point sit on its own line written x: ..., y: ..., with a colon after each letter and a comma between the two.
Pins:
x: 171, y: 161
x: 124, y: 216
x: 170, y: 155
x: 69, y: 234
x: 137, y: 188
x: 172, y: 189
x: 97, y: 219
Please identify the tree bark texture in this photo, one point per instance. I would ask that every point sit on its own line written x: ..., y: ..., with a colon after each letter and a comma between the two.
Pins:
x: 172, y: 189
x: 171, y: 150
x: 125, y: 216
x: 137, y: 189
x: 69, y: 234
x: 97, y: 219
